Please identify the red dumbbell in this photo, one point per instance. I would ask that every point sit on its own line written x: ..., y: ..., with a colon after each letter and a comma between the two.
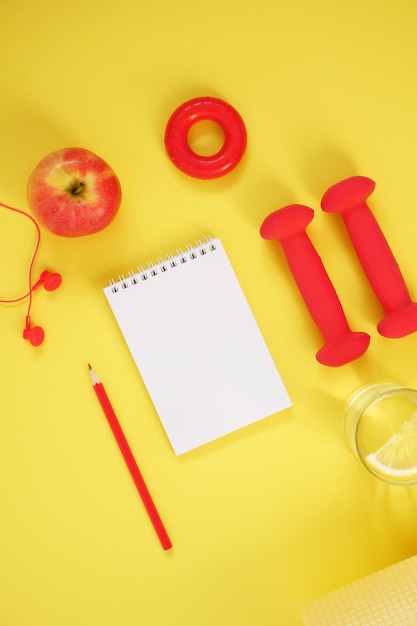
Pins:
x: 348, y: 198
x: 288, y: 226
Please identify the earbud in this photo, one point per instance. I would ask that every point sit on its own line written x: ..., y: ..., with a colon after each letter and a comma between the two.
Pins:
x: 35, y: 335
x: 50, y: 280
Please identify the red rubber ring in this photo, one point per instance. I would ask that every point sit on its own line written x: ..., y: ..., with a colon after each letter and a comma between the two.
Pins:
x: 196, y: 110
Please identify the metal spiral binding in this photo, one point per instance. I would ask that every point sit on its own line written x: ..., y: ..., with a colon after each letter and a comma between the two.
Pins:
x: 163, y: 265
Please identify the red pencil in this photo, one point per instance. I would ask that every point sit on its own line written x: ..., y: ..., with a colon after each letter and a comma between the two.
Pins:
x: 130, y: 460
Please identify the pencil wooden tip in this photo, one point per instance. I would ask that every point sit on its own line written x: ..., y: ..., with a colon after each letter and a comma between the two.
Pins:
x: 94, y: 378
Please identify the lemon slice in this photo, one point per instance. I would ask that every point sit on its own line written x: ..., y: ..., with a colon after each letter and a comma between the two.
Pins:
x: 398, y: 456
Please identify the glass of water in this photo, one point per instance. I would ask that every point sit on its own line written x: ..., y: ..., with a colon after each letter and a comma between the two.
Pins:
x: 381, y: 428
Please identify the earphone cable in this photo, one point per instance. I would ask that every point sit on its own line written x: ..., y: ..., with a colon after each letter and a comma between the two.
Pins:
x: 32, y: 261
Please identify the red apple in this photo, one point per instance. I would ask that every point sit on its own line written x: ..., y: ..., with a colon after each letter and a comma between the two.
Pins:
x: 72, y: 192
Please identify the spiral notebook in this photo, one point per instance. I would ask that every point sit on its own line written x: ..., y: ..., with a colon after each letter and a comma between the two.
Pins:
x: 197, y: 346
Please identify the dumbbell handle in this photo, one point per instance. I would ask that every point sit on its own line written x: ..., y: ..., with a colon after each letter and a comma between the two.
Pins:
x: 315, y: 286
x: 376, y: 258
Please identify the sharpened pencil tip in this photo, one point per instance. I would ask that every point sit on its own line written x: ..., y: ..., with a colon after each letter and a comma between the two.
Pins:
x: 94, y: 378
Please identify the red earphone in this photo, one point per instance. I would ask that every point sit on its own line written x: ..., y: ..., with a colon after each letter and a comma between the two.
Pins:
x: 50, y: 280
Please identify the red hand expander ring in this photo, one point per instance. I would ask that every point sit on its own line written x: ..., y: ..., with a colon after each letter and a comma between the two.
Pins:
x: 196, y: 110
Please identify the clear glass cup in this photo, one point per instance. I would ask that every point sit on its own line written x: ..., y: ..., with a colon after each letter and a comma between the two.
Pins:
x: 381, y: 428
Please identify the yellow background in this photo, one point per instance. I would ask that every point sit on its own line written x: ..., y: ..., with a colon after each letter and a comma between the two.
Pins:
x: 280, y: 512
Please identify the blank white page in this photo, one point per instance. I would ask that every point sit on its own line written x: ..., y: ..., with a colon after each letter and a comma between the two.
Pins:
x: 197, y: 346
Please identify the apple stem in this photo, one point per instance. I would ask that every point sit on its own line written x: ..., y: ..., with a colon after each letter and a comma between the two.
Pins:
x: 76, y: 188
